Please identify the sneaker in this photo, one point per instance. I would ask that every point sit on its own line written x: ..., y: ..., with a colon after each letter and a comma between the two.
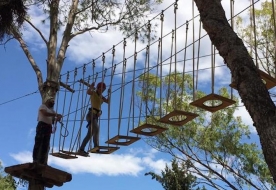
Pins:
x: 83, y: 152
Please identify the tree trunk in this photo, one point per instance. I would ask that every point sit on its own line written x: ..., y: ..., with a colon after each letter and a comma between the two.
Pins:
x: 251, y: 89
x: 33, y: 185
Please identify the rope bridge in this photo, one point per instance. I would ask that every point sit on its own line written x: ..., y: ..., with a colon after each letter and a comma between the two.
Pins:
x: 146, y: 81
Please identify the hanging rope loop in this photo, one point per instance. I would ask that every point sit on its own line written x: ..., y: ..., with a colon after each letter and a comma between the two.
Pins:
x: 175, y: 6
x: 113, y: 50
x: 162, y: 16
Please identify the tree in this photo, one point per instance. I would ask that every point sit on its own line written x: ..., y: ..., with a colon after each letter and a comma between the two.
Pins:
x: 6, y: 181
x: 213, y: 148
x: 264, y: 33
x: 73, y: 18
x: 12, y: 13
x: 175, y: 178
x: 250, y: 87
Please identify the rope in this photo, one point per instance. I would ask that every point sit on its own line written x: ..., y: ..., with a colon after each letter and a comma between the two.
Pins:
x: 254, y: 32
x: 161, y: 59
x: 193, y: 23
x: 170, y: 70
x: 64, y: 103
x: 175, y: 54
x: 122, y: 88
x: 148, y: 66
x: 133, y: 84
x: 66, y: 126
x: 184, y: 65
x: 156, y: 78
x: 197, y: 66
x: 109, y: 92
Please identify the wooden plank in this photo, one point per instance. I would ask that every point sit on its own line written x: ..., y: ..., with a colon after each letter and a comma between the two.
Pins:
x: 45, y: 174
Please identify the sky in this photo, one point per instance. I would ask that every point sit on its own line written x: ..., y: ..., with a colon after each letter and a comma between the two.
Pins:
x: 125, y: 168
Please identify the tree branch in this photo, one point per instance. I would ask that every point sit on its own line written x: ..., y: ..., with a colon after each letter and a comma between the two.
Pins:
x: 25, y: 49
x: 39, y: 32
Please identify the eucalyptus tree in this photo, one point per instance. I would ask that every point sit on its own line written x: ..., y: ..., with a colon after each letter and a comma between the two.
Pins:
x: 214, y: 147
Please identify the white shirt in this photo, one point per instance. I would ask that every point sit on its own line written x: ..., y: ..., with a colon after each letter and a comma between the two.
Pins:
x: 45, y: 119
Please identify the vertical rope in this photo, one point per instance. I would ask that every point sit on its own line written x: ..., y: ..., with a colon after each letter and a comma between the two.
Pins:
x: 156, y: 78
x: 143, y: 86
x: 109, y: 91
x: 175, y: 52
x: 184, y: 65
x: 255, y: 34
x: 71, y: 99
x: 54, y: 135
x: 161, y: 60
x: 232, y: 25
x: 193, y: 23
x: 170, y: 70
x: 64, y: 103
x: 133, y: 83
x: 103, y: 76
x: 198, y: 57
x: 148, y: 66
x: 212, y: 68
x: 122, y: 86
x: 274, y: 25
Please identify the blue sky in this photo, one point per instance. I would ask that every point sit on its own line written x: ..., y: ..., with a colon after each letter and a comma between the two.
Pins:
x: 123, y: 169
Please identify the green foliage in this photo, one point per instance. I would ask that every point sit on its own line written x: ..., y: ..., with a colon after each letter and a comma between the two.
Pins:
x: 6, y: 181
x: 216, y: 145
x: 264, y: 34
x: 175, y: 178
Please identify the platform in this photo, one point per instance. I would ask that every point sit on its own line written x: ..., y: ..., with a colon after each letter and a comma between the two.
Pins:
x: 46, y: 175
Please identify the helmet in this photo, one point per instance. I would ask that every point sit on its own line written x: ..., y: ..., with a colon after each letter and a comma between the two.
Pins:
x: 101, y: 84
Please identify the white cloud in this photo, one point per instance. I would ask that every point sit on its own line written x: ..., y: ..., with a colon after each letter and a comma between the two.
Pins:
x: 132, y: 163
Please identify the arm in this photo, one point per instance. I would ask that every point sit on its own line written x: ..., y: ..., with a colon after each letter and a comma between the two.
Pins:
x: 51, y: 114
x: 106, y: 100
x: 91, y: 89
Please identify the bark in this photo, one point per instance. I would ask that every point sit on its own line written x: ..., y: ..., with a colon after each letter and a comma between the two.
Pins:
x: 250, y: 87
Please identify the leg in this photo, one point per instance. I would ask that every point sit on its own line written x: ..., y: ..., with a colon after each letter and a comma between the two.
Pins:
x: 95, y: 131
x: 45, y: 146
x: 38, y: 142
x: 86, y: 138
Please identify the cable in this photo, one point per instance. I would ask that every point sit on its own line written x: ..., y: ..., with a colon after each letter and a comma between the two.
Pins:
x: 18, y: 98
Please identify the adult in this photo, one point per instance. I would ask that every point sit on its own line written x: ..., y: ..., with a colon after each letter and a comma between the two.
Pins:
x: 46, y: 117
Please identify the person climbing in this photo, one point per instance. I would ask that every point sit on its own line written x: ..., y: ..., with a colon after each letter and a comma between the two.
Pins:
x: 96, y: 100
x: 46, y: 117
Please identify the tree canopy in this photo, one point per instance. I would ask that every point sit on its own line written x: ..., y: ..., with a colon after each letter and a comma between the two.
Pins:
x: 175, y: 177
x: 216, y: 147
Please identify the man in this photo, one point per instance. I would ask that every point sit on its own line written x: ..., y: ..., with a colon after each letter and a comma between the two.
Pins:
x: 96, y: 100
x: 46, y: 117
